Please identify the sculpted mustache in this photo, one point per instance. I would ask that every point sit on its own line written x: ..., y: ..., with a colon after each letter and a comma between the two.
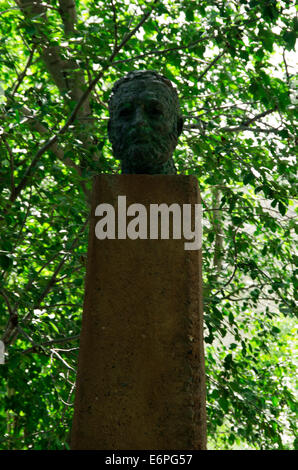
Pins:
x: 155, y: 142
x: 151, y: 137
x: 151, y: 146
x: 126, y: 141
x: 140, y: 135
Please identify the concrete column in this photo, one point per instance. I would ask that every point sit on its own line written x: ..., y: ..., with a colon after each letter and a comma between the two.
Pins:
x: 141, y: 377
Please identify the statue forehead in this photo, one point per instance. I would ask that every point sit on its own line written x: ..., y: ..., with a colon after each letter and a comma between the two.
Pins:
x: 147, y: 88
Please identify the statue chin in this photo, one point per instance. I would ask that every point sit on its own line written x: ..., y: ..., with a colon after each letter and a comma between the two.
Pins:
x: 141, y: 158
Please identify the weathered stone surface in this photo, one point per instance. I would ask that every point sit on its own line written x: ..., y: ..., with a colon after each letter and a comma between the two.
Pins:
x: 141, y: 379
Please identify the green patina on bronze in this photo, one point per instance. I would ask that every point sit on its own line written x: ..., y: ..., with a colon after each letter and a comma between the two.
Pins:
x: 145, y: 123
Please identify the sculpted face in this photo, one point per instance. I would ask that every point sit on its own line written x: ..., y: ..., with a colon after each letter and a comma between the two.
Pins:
x: 144, y: 126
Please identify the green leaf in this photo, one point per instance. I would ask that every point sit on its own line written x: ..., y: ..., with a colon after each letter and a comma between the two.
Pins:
x: 267, y: 39
x: 275, y: 401
x: 54, y: 327
x: 282, y: 208
x: 189, y: 14
x: 5, y: 261
x: 290, y: 39
x: 248, y: 178
x: 224, y: 404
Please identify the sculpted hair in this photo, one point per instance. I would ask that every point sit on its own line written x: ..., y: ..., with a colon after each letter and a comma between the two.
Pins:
x: 145, y: 74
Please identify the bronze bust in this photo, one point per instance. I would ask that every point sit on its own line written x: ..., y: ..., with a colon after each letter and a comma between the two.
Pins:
x: 145, y: 123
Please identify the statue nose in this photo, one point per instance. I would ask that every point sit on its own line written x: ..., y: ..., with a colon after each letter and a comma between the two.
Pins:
x: 139, y: 119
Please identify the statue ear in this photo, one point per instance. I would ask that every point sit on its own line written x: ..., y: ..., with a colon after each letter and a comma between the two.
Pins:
x: 179, y: 125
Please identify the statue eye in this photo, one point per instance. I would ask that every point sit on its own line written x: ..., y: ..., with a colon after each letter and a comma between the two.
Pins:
x: 125, y: 111
x: 155, y: 110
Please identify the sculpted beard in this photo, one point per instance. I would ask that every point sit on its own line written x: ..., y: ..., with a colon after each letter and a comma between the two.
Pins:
x: 149, y: 153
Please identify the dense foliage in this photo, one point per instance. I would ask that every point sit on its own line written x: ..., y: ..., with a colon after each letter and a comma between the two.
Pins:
x: 232, y: 63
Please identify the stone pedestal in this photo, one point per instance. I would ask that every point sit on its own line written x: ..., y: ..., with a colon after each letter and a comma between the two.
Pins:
x: 141, y: 379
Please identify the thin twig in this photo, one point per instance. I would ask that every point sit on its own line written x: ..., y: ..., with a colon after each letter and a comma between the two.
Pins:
x: 50, y: 343
x: 286, y: 65
x: 62, y: 360
x: 115, y: 25
x: 272, y: 130
x: 259, y: 116
x: 216, y: 59
x: 162, y: 51
x: 7, y: 301
x: 11, y: 161
x: 23, y: 74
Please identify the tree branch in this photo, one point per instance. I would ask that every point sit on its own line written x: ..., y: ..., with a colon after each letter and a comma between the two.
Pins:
x: 68, y: 14
x: 54, y: 278
x: 216, y: 221
x: 258, y: 130
x: 12, y: 323
x: 258, y: 116
x: 50, y: 55
x: 11, y: 160
x: 74, y: 113
x: 50, y: 343
x: 216, y: 59
x: 115, y: 25
x: 250, y: 129
x: 63, y: 360
x: 162, y: 51
x: 286, y: 66
x: 7, y: 301
x: 37, y: 126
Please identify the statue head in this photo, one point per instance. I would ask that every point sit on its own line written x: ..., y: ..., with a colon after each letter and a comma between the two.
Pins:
x: 145, y: 122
